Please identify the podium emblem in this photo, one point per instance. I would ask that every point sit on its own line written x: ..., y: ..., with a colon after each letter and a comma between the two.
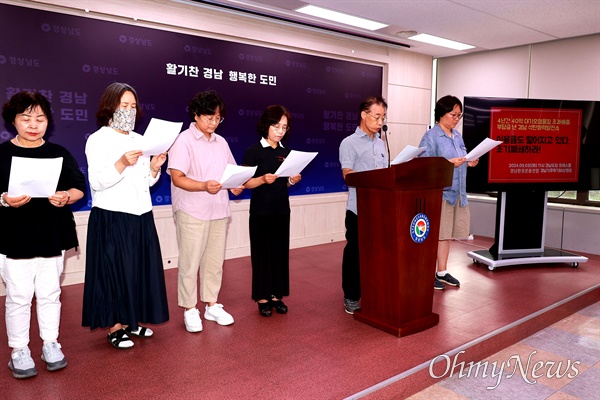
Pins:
x: 419, y: 228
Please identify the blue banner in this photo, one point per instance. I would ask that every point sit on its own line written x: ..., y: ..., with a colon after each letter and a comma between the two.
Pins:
x: 71, y: 60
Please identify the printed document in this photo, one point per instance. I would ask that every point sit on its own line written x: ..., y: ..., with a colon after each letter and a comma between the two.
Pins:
x: 159, y: 136
x: 35, y: 177
x: 407, y: 154
x: 236, y: 175
x: 294, y: 163
x: 486, y: 145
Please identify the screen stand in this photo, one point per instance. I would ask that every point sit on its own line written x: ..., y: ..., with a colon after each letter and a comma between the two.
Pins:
x: 520, y: 233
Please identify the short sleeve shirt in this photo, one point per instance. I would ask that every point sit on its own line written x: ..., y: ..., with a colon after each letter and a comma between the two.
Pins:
x: 361, y: 153
x: 201, y: 159
x: 270, y: 199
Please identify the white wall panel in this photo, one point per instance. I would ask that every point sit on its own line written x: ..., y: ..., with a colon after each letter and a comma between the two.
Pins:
x: 582, y: 230
x: 410, y: 69
x: 566, y: 69
x: 483, y: 215
x: 401, y: 135
x: 502, y: 73
x: 408, y: 105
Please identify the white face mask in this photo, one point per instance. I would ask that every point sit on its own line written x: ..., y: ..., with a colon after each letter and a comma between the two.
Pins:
x: 123, y: 119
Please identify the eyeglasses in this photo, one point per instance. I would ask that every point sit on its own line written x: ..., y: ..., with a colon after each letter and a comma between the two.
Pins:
x: 278, y: 127
x: 217, y: 119
x: 381, y: 118
x: 456, y: 116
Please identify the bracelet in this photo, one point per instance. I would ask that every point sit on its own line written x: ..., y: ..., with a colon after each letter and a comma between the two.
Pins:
x: 154, y: 170
x: 4, y: 204
x: 68, y: 195
x: 290, y: 181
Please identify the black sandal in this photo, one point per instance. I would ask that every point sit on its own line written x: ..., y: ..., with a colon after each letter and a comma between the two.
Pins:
x: 119, y: 339
x: 279, y: 306
x: 265, y: 309
x: 141, y: 331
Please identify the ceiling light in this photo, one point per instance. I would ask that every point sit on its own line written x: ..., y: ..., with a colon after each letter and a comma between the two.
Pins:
x: 342, y: 18
x: 438, y: 41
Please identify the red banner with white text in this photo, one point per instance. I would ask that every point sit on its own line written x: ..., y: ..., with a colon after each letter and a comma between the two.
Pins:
x: 539, y: 145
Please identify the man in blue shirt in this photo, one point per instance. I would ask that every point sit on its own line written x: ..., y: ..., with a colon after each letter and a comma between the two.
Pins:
x: 361, y: 151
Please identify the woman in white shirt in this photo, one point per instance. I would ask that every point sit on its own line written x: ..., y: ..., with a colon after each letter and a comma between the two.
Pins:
x: 124, y: 277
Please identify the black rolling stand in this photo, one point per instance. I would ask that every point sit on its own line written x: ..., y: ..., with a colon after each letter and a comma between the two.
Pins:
x: 520, y: 234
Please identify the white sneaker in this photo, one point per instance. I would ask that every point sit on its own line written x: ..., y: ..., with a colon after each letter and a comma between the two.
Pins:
x: 218, y: 314
x: 21, y: 363
x: 53, y: 356
x: 192, y: 320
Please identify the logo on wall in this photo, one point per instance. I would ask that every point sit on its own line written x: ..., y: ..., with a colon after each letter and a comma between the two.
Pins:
x: 419, y: 228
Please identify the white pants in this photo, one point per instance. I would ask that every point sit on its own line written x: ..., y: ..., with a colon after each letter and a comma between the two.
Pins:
x: 23, y: 278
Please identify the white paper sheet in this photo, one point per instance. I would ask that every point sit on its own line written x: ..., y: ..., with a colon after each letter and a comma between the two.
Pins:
x: 159, y: 136
x: 407, y: 154
x: 486, y: 145
x: 236, y: 175
x: 294, y: 163
x: 35, y: 177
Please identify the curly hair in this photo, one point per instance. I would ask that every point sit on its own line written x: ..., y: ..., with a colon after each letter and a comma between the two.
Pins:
x: 206, y: 103
x: 24, y: 101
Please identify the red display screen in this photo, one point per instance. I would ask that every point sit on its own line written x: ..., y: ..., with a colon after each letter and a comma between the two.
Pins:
x: 539, y: 145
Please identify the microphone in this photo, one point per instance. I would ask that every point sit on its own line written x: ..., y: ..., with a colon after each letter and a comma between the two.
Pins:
x: 384, y: 128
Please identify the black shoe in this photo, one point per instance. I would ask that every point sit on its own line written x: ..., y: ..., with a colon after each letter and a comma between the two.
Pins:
x: 437, y: 285
x: 265, y: 309
x: 351, y: 305
x: 448, y: 280
x: 279, y: 306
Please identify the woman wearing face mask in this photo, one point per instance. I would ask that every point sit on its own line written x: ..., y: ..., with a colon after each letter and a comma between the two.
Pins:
x: 124, y: 277
x: 270, y: 212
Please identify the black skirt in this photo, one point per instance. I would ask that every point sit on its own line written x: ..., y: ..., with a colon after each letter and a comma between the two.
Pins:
x: 124, y: 275
x: 270, y: 255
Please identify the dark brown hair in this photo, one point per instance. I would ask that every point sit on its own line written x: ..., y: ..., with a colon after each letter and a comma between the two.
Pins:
x: 445, y: 105
x: 206, y: 103
x: 369, y: 101
x: 23, y: 101
x: 110, y: 100
x: 271, y: 116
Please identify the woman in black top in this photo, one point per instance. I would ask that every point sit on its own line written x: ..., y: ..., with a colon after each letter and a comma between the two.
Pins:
x: 270, y: 212
x: 41, y: 229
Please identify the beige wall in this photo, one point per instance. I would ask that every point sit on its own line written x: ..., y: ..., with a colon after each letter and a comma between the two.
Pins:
x: 316, y: 219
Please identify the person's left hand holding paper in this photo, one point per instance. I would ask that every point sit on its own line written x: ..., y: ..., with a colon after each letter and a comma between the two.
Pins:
x: 156, y: 162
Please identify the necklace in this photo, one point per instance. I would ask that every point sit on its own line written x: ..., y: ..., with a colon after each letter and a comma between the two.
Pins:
x: 20, y: 145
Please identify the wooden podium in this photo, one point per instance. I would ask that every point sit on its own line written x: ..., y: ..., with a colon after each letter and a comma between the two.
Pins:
x: 397, y: 271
